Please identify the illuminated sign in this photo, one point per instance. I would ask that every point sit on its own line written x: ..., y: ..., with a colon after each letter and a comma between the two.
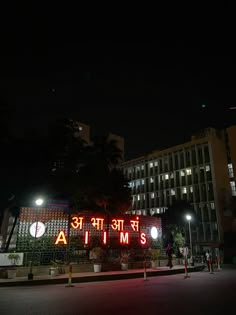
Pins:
x: 117, y: 225
x: 37, y: 229
x: 85, y: 229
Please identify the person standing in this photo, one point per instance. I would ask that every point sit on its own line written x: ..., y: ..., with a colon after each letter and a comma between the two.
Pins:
x: 209, y: 261
x: 169, y: 252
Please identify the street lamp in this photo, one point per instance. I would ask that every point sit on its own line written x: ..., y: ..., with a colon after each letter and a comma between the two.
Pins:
x: 34, y: 232
x: 189, y: 218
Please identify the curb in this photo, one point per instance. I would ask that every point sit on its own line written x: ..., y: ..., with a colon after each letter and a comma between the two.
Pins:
x: 96, y: 278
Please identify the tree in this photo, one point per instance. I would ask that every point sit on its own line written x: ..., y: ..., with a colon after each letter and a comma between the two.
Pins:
x: 14, y: 208
x: 88, y: 176
x: 174, y: 222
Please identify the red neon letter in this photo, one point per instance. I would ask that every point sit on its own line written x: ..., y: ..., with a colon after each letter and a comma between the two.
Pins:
x: 117, y: 224
x: 97, y: 223
x: 143, y: 239
x: 61, y: 238
x: 86, y: 238
x: 77, y: 222
x: 104, y: 239
x: 124, y: 238
x: 135, y: 225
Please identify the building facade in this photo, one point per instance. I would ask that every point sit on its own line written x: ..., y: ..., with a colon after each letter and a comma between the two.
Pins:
x: 201, y: 171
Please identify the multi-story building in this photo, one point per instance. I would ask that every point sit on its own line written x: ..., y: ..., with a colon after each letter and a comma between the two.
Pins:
x: 201, y: 171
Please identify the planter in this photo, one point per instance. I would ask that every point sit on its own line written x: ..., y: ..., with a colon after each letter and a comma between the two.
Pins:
x: 97, y: 267
x: 124, y: 266
x: 52, y: 271
x: 11, y: 273
x: 153, y: 263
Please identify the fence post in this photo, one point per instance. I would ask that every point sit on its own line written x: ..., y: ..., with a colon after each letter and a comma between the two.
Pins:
x: 144, y: 272
x: 70, y: 277
x: 210, y: 265
x: 186, y: 269
x: 218, y: 262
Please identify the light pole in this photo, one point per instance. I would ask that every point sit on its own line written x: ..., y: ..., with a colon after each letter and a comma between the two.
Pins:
x: 189, y: 218
x: 34, y: 233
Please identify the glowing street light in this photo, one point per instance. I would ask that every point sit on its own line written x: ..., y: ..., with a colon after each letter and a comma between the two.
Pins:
x: 34, y: 231
x: 189, y: 218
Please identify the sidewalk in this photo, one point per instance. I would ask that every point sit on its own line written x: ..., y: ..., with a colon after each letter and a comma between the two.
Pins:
x: 101, y: 276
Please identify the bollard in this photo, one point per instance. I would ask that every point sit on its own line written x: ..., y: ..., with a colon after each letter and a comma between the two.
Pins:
x: 218, y: 262
x: 144, y: 272
x: 186, y: 269
x: 69, y: 277
x: 210, y: 265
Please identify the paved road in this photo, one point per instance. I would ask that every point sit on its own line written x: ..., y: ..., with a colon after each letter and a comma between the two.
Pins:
x: 203, y: 293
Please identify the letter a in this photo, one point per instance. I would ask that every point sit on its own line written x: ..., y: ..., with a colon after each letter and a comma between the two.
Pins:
x: 61, y: 238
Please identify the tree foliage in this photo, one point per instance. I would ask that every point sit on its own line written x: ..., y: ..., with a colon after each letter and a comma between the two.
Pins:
x: 174, y: 223
x: 88, y: 175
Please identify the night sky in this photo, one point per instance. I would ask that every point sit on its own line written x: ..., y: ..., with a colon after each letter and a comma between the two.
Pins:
x: 148, y: 90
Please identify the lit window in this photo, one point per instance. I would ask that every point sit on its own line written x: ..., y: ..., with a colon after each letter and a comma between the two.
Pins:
x: 233, y: 188
x: 142, y: 167
x: 151, y: 164
x: 207, y: 168
x: 137, y: 183
x: 212, y: 205
x: 171, y: 175
x: 182, y: 173
x: 143, y: 197
x: 138, y: 197
x: 184, y: 190
x: 188, y: 171
x: 155, y: 163
x: 142, y: 181
x: 152, y: 195
x: 151, y: 180
x: 191, y: 189
x: 230, y: 168
x: 166, y: 176
x: 172, y: 191
x: 130, y: 184
x: 137, y: 168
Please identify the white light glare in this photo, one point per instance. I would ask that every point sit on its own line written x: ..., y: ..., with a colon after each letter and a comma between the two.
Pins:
x: 154, y: 232
x: 188, y: 217
x: 39, y: 202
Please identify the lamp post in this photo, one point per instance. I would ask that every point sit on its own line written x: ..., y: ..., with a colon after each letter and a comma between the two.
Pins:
x: 34, y: 231
x: 189, y: 218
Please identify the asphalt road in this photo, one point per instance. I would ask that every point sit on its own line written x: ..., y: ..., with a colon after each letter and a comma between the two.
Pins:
x: 202, y: 293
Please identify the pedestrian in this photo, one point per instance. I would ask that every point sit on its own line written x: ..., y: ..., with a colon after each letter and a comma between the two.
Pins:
x: 209, y: 261
x: 169, y: 254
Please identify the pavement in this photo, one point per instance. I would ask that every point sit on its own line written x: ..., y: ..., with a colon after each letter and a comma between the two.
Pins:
x: 99, y: 276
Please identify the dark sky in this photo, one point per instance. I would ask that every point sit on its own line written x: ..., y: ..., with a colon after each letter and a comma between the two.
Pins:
x: 148, y: 90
